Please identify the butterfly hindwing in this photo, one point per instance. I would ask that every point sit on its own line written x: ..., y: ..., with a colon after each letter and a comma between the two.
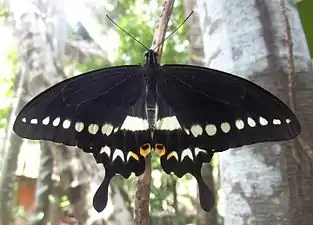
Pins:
x: 169, y: 133
x: 177, y: 152
x: 129, y: 144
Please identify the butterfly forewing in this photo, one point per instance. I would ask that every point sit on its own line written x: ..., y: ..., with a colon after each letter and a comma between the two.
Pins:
x: 178, y: 154
x: 58, y: 112
x: 235, y: 112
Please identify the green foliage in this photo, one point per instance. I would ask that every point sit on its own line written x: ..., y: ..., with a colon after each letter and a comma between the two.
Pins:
x: 7, y: 82
x: 138, y: 22
x: 306, y: 14
x: 19, y: 212
x: 60, y: 201
x: 4, y: 12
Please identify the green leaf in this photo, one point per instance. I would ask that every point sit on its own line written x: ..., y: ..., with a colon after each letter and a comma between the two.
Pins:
x: 4, y: 12
x: 306, y: 14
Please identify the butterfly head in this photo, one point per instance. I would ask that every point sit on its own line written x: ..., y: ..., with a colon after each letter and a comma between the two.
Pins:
x: 151, y: 57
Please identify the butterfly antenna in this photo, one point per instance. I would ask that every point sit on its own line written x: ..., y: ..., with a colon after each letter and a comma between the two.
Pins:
x: 127, y: 33
x: 182, y: 23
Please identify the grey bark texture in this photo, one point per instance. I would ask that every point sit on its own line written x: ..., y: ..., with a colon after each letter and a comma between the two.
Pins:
x: 263, y: 41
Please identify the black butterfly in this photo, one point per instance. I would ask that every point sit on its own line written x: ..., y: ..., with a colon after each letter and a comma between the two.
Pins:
x: 185, y: 113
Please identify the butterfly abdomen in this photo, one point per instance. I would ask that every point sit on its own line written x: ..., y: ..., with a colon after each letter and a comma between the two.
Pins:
x: 151, y: 103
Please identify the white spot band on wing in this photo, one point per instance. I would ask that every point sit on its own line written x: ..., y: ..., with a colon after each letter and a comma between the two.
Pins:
x: 196, y: 130
x: 168, y: 123
x: 186, y: 152
x: 118, y: 153
x: 199, y: 150
x: 106, y: 150
x: 134, y: 124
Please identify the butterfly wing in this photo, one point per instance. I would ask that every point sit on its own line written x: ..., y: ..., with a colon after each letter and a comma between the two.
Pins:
x: 94, y: 111
x: 214, y: 111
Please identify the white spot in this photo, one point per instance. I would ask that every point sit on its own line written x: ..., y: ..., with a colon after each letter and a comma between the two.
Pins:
x: 225, y: 127
x: 263, y: 121
x: 186, y: 131
x: 288, y: 121
x: 34, y: 121
x: 66, y: 124
x: 116, y: 129
x: 199, y: 150
x: 46, y: 120
x: 107, y: 129
x: 276, y: 121
x: 118, y: 153
x: 211, y: 129
x: 56, y: 121
x: 93, y: 128
x: 79, y: 126
x: 251, y: 122
x: 168, y: 123
x: 24, y: 120
x: 130, y: 154
x: 134, y: 124
x: 105, y: 150
x: 196, y: 130
x: 186, y: 152
x: 239, y: 124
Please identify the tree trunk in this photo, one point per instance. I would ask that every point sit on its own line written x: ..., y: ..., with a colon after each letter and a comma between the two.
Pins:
x: 44, y: 187
x: 10, y: 151
x: 196, y: 56
x: 13, y: 142
x: 263, y: 41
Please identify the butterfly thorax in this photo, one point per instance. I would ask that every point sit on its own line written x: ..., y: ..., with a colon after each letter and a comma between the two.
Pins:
x: 152, y: 68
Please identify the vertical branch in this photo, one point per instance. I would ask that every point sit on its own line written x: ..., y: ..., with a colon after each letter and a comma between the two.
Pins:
x: 143, y: 185
x: 176, y: 216
x: 159, y: 34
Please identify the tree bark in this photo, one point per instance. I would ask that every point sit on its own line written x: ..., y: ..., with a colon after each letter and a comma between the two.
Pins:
x: 263, y: 41
x: 44, y: 187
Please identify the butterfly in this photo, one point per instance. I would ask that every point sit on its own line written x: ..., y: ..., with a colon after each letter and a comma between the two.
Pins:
x: 184, y: 113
